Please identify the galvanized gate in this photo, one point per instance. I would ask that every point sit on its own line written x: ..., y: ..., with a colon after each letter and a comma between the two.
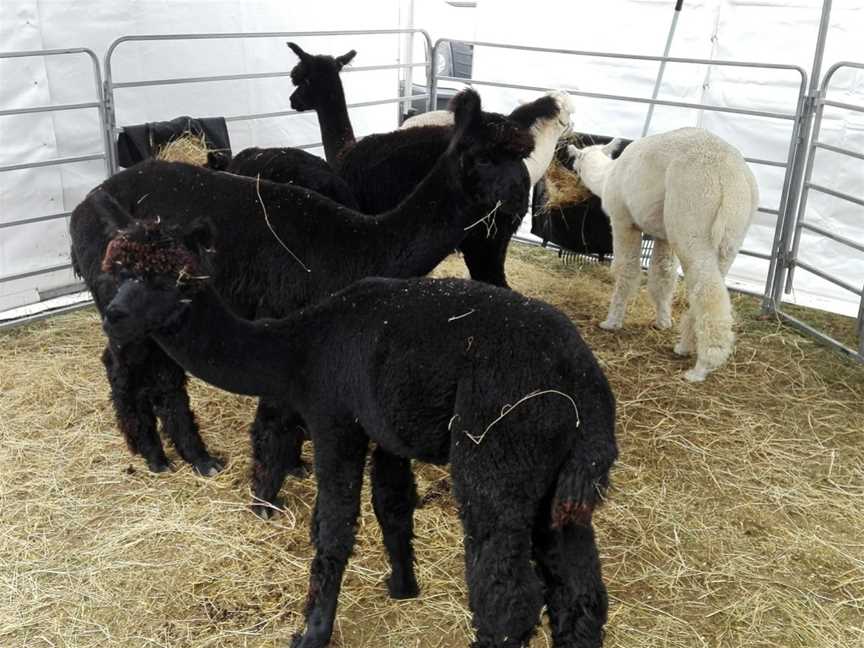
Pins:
x: 112, y: 84
x: 788, y: 257
x: 95, y: 104
x: 794, y: 116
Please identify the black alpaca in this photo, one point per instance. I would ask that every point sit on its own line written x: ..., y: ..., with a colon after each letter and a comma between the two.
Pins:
x: 382, y: 169
x: 293, y: 166
x: 437, y: 371
x: 257, y: 276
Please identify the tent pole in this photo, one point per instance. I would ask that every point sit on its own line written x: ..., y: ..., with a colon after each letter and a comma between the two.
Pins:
x: 662, y: 68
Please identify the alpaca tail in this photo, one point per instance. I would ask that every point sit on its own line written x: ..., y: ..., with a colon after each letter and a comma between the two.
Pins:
x: 738, y: 202
x: 584, y: 476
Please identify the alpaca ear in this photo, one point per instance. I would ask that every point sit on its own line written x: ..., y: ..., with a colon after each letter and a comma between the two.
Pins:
x: 467, y: 115
x: 199, y: 236
x: 575, y: 155
x: 109, y: 212
x: 299, y: 52
x: 546, y: 107
x: 345, y: 59
x: 612, y: 147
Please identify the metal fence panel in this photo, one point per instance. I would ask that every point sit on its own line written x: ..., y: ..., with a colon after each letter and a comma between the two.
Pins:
x: 791, y: 257
x: 796, y: 114
x: 97, y: 104
x: 403, y: 98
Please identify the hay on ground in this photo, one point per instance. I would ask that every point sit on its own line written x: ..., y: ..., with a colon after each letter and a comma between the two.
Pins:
x: 734, y: 520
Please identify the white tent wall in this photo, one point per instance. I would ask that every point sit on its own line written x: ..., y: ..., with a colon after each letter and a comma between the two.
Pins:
x: 47, y: 24
x: 743, y: 30
x: 761, y: 30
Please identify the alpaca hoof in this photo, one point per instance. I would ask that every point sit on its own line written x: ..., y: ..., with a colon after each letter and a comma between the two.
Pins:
x: 609, y: 325
x: 300, y: 471
x: 681, y: 350
x: 159, y: 465
x: 267, y: 510
x: 696, y: 375
x: 208, y: 467
x: 300, y: 640
x: 663, y: 323
x: 405, y: 589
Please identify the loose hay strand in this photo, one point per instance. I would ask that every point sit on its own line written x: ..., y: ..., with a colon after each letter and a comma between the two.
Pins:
x: 270, y: 226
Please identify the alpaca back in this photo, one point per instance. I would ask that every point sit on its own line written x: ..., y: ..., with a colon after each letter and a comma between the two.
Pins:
x: 687, y: 180
x: 382, y: 169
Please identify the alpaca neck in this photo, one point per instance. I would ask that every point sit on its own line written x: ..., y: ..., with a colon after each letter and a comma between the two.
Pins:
x: 237, y: 355
x: 336, y: 131
x: 546, y: 134
x: 594, y: 171
x: 426, y: 226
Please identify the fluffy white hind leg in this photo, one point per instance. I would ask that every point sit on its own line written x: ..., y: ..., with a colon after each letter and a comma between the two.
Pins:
x: 662, y: 275
x: 711, y: 313
x: 686, y: 344
x: 626, y: 247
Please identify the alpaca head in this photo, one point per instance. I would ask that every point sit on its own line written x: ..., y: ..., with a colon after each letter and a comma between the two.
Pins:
x: 157, y: 269
x: 490, y: 149
x: 597, y: 154
x: 316, y: 78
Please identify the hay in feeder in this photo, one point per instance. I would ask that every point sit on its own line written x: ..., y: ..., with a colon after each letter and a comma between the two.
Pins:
x: 564, y: 187
x: 734, y: 518
x: 188, y: 147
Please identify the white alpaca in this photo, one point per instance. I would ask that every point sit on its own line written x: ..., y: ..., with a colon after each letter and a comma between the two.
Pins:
x: 546, y: 132
x: 696, y: 196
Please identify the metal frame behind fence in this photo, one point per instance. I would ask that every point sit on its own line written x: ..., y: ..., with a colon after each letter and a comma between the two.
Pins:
x: 98, y: 104
x: 797, y: 117
x: 791, y: 258
x: 112, y: 128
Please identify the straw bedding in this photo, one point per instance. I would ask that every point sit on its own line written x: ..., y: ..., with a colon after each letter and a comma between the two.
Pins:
x: 735, y: 517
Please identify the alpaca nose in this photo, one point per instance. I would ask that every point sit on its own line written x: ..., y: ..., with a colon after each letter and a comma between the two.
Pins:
x: 114, y: 314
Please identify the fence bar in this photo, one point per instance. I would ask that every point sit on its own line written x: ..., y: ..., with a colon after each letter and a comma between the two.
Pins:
x: 29, y: 319
x: 52, y: 162
x: 644, y: 100
x: 828, y: 277
x: 832, y: 235
x: 834, y: 192
x: 844, y: 106
x: 252, y: 75
x: 838, y: 149
x: 283, y: 113
x: 766, y: 162
x: 819, y: 335
x: 758, y: 255
x: 37, y: 219
x: 58, y: 107
x: 34, y: 273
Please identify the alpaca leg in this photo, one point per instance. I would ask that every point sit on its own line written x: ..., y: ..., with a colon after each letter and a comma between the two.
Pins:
x: 710, y: 316
x: 132, y: 407
x: 171, y: 403
x: 686, y: 344
x: 504, y: 593
x: 394, y: 497
x: 339, y: 460
x: 662, y: 275
x: 626, y: 248
x: 485, y: 255
x: 576, y: 600
x: 277, y: 438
